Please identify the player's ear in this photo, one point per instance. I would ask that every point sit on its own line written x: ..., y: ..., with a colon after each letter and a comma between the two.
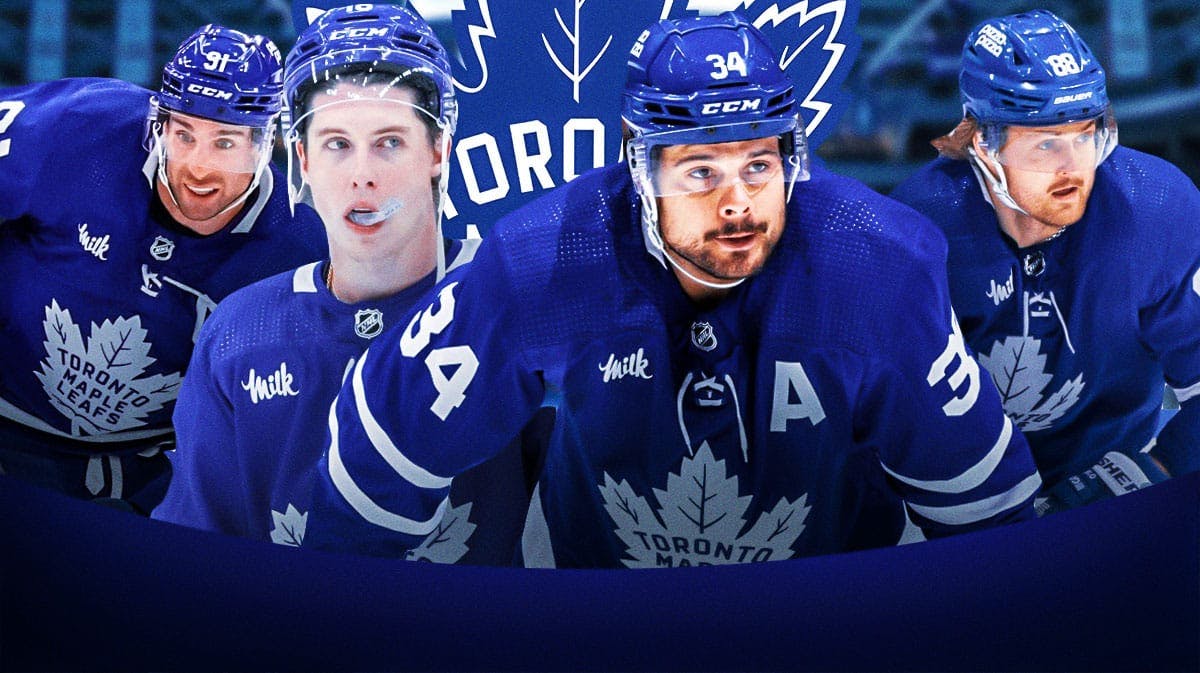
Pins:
x: 302, y: 155
x: 977, y: 142
x: 441, y: 143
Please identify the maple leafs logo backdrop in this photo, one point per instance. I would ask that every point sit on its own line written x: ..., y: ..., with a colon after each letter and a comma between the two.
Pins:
x: 539, y: 85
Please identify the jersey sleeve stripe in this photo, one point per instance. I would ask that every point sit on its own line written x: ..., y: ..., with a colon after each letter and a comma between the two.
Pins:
x: 979, y: 510
x: 969, y: 479
x: 413, y: 473
x: 362, y: 504
x: 1185, y: 394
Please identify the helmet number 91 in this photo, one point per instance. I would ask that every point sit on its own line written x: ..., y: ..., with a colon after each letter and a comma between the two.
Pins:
x: 215, y: 60
x: 723, y: 65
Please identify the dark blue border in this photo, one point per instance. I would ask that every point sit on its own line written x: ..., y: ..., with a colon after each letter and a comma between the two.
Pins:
x: 1112, y: 587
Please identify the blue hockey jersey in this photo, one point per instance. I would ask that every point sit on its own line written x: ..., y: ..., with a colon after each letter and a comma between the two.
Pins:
x: 1081, y: 331
x: 108, y: 292
x: 253, y: 411
x: 748, y: 432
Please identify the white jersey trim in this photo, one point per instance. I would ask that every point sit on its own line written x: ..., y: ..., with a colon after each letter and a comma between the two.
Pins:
x: 973, y: 477
x: 1185, y: 394
x: 302, y: 279
x: 362, y: 504
x: 971, y: 512
x: 412, y: 473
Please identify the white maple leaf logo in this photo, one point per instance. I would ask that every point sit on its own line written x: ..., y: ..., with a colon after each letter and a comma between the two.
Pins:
x: 820, y: 28
x: 576, y: 72
x: 700, y: 519
x: 289, y: 527
x: 1019, y: 369
x: 448, y: 542
x: 100, y: 386
x: 477, y: 18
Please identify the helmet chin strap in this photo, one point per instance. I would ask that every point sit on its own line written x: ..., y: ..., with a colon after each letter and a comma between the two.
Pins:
x: 658, y: 247
x: 987, y: 179
x: 443, y: 188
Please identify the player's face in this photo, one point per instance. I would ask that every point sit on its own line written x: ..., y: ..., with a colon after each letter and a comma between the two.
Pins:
x: 1051, y: 170
x: 723, y: 218
x: 209, y: 165
x: 370, y: 163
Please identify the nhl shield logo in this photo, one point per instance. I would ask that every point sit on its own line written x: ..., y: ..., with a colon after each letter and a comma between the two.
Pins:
x: 162, y: 248
x: 703, y: 337
x: 368, y: 323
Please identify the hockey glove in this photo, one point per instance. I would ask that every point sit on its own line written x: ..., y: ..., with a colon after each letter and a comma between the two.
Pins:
x: 1115, y: 474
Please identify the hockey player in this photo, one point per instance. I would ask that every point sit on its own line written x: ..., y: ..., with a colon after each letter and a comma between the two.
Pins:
x: 118, y: 255
x: 742, y: 346
x: 370, y: 113
x: 1074, y: 263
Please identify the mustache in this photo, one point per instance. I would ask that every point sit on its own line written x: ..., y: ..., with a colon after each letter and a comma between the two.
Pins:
x: 1065, y: 184
x: 733, y: 228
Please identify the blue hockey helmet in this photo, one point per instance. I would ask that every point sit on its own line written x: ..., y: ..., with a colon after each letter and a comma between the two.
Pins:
x: 375, y: 38
x: 711, y: 79
x: 225, y: 75
x: 1030, y: 69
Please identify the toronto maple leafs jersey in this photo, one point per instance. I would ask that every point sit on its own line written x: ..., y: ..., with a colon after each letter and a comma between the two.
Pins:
x: 108, y: 292
x: 747, y: 432
x: 1081, y: 331
x: 253, y: 411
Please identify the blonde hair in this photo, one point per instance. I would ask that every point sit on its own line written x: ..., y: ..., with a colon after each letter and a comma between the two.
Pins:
x: 954, y: 144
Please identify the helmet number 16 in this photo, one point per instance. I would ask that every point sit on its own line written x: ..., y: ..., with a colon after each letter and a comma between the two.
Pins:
x: 723, y: 65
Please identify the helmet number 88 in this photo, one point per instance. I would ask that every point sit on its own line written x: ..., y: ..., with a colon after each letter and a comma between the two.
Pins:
x: 1064, y: 64
x: 723, y: 65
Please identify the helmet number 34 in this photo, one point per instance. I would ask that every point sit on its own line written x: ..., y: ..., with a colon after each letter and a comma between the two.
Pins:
x: 723, y: 65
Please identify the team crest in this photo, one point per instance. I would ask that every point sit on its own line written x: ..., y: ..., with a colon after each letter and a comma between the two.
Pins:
x: 703, y: 336
x: 448, y: 542
x: 162, y: 248
x: 100, y: 383
x: 700, y: 519
x: 1018, y: 368
x: 368, y: 323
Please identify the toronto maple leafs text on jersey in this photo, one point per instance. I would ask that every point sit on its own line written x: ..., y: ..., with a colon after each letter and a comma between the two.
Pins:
x: 112, y: 292
x: 1081, y: 332
x: 760, y: 429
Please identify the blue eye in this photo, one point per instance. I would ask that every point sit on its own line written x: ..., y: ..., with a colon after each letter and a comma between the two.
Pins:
x: 225, y: 144
x: 336, y: 144
x: 391, y: 142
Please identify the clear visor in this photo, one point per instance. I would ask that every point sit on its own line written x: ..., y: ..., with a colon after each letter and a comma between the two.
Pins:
x: 1075, y: 147
x: 206, y: 145
x: 360, y: 127
x: 673, y: 163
